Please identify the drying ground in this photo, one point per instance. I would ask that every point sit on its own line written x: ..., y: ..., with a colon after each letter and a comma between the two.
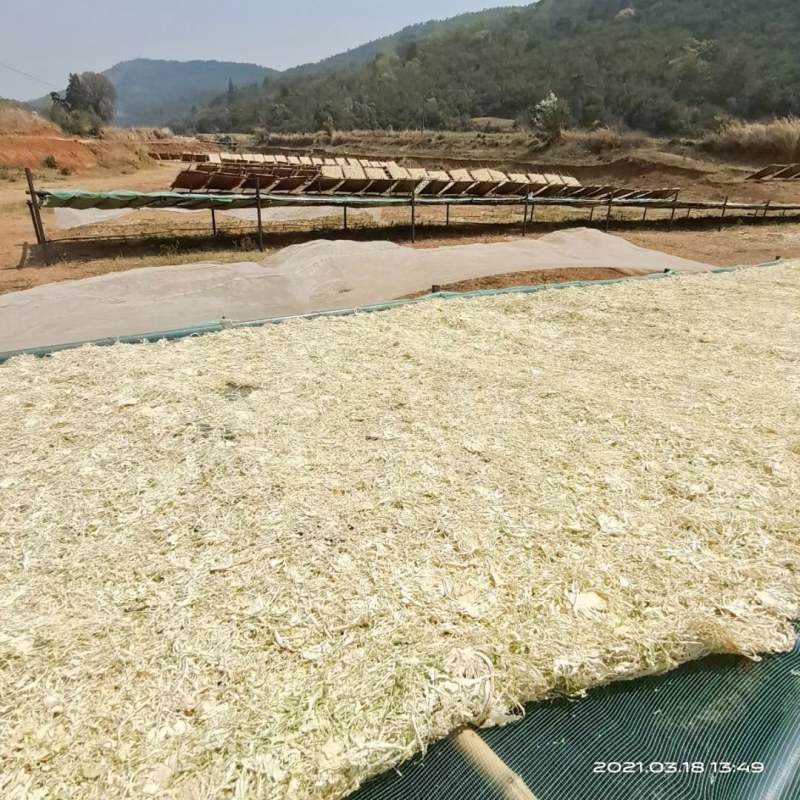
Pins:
x: 228, y: 580
x: 159, y: 239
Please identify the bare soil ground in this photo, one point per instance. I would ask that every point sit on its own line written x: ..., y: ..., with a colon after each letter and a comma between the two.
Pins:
x: 150, y: 239
x: 530, y: 278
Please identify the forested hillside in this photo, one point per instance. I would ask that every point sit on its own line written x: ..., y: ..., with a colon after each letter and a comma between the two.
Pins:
x: 663, y: 66
x: 365, y: 52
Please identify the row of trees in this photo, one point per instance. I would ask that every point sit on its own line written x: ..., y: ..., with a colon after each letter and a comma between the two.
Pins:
x: 665, y: 67
x: 87, y: 105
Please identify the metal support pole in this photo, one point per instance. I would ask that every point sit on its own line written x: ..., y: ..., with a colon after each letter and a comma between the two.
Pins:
x: 447, y: 218
x: 722, y: 215
x: 591, y: 213
x: 214, y: 222
x: 525, y: 218
x: 674, y: 209
x: 533, y: 211
x: 766, y: 208
x: 644, y: 216
x: 344, y: 218
x: 38, y: 225
x: 688, y: 213
x: 414, y: 215
x: 258, y: 211
x: 608, y: 215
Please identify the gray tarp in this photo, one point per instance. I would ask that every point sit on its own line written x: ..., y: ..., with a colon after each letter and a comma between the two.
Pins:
x: 315, y: 276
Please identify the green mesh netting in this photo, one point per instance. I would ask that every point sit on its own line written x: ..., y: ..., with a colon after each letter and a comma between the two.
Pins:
x: 724, y: 714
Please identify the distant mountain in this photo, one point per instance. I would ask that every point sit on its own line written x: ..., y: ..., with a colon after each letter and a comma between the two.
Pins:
x: 366, y: 52
x: 151, y: 92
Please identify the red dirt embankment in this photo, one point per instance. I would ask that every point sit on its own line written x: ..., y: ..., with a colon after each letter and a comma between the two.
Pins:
x: 27, y: 139
x: 18, y: 152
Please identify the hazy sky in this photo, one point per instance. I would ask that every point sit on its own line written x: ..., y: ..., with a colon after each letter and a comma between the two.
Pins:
x: 50, y: 38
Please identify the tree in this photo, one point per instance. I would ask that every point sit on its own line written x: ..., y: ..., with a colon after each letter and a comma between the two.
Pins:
x: 89, y: 102
x: 93, y: 93
x: 548, y: 119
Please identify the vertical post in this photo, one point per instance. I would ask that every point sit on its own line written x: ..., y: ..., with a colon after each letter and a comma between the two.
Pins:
x: 447, y: 218
x: 33, y: 220
x: 608, y: 214
x: 258, y: 211
x: 591, y: 213
x: 344, y: 218
x: 722, y: 215
x: 525, y: 218
x: 644, y: 216
x: 688, y: 213
x: 533, y: 211
x: 766, y: 207
x: 674, y: 209
x: 37, y: 217
x: 214, y: 222
x: 414, y: 215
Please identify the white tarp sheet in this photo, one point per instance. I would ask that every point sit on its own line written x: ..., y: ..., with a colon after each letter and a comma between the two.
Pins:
x: 70, y: 218
x: 316, y: 276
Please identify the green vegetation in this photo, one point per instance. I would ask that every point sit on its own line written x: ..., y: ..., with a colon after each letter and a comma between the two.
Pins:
x: 88, y: 104
x: 668, y: 67
x: 366, y: 52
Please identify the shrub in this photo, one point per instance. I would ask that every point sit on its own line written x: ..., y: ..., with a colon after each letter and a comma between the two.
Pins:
x: 50, y: 163
x: 604, y: 140
x: 761, y: 142
x: 548, y: 119
x: 261, y: 137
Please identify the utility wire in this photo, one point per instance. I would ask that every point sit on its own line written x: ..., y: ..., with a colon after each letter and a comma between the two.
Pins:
x: 32, y: 77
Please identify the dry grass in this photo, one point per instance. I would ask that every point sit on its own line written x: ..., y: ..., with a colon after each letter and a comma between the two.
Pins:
x: 139, y: 134
x: 269, y: 563
x: 490, y: 140
x: 18, y: 121
x: 757, y: 143
x: 491, y: 124
x: 602, y: 141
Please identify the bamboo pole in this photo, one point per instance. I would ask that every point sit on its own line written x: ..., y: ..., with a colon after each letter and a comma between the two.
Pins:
x: 491, y: 766
x: 608, y: 214
x: 525, y: 218
x: 722, y: 215
x: 35, y: 226
x: 38, y: 225
x: 414, y: 215
x: 258, y: 211
x: 674, y: 209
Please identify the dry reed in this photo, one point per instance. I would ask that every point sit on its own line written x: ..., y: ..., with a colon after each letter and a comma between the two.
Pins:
x: 757, y: 143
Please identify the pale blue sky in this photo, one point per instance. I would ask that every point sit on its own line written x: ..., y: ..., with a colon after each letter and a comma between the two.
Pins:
x: 50, y: 38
